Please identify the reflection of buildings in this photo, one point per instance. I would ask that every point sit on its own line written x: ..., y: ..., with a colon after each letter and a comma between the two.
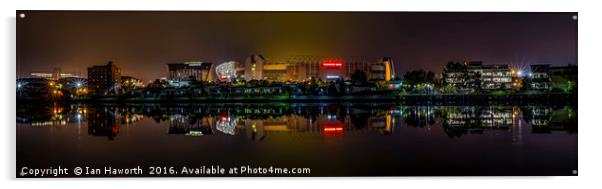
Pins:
x: 190, y: 125
x: 255, y: 129
x: 331, y: 125
x: 517, y: 126
x: 103, y: 79
x: 187, y: 71
x: 545, y: 119
x: 101, y: 122
x: 226, y: 123
x: 460, y: 121
x: 385, y: 123
x: 52, y: 115
x: 496, y: 117
x: 419, y: 115
x: 257, y: 122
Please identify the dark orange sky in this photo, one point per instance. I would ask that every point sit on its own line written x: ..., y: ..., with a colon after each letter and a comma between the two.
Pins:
x: 141, y: 43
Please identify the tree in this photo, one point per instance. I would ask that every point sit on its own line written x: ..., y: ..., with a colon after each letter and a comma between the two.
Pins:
x: 417, y: 77
x: 456, y: 74
x: 455, y: 71
x: 359, y: 77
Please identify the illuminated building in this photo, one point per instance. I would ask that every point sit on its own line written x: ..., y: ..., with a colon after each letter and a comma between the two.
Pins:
x: 42, y: 75
x: 103, y: 79
x: 229, y: 71
x: 254, y: 67
x: 564, y: 78
x: 326, y: 68
x: 539, y: 79
x: 302, y: 68
x: 32, y: 87
x: 55, y: 75
x: 332, y: 69
x: 75, y: 85
x: 130, y: 82
x: 491, y: 76
x: 200, y: 71
x: 276, y: 72
x: 473, y: 75
x: 382, y: 70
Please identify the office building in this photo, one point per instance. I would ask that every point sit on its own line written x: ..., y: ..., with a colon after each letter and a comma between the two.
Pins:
x: 564, y: 78
x: 382, y: 69
x: 491, y: 76
x: 104, y: 79
x: 129, y: 82
x: 539, y: 78
x: 187, y: 71
x: 253, y: 67
x: 335, y: 68
x: 229, y: 71
x: 56, y: 74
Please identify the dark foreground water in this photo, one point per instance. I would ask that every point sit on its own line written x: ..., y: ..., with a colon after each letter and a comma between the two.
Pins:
x: 329, y: 139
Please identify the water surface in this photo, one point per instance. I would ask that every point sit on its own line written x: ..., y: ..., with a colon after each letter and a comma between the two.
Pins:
x: 330, y: 139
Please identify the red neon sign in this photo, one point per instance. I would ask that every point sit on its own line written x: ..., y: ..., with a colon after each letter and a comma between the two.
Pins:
x: 336, y: 128
x: 332, y: 64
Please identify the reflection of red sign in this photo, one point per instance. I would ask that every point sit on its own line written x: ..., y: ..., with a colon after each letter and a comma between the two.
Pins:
x: 332, y: 64
x: 114, y: 129
x: 224, y: 116
x: 336, y: 128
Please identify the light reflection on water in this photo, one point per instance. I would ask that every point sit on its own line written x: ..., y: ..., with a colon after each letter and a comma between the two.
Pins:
x: 420, y: 131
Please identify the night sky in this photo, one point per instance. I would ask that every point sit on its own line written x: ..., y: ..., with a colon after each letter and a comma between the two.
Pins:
x: 142, y: 43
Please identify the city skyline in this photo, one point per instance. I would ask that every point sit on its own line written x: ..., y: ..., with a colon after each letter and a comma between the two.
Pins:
x: 74, y: 41
x: 185, y: 94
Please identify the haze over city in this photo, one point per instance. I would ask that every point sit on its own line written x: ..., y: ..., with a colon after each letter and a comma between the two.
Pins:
x: 191, y: 94
x: 142, y: 43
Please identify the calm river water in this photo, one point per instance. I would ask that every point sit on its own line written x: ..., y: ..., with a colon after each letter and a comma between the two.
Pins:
x: 330, y: 139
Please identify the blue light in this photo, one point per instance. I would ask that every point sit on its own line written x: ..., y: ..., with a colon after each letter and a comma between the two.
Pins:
x: 78, y: 84
x: 332, y: 77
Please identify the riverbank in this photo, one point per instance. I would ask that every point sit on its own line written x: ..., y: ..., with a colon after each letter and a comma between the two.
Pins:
x: 511, y: 99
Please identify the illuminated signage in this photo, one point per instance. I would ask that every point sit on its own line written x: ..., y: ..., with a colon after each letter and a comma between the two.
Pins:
x: 332, y: 77
x: 336, y: 128
x: 332, y: 64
